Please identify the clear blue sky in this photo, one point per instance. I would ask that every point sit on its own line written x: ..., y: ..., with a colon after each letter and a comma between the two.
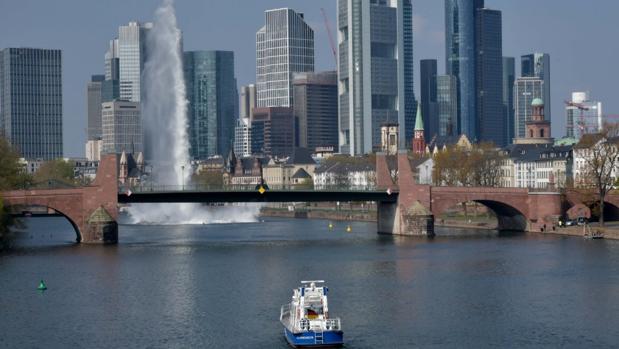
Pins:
x: 580, y: 37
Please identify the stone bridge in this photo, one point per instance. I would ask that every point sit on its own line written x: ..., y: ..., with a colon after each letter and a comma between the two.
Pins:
x: 92, y: 210
x: 418, y: 205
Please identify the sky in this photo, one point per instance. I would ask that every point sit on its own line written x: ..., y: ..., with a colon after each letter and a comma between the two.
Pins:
x: 580, y: 36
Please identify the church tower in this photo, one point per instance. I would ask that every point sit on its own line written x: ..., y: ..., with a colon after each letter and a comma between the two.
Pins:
x: 419, y: 143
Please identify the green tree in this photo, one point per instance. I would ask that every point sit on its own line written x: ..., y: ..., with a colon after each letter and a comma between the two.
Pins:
x: 55, y: 172
x: 213, y: 179
x: 12, y: 174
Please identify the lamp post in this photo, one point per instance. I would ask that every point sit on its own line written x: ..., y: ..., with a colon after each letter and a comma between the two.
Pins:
x: 183, y: 176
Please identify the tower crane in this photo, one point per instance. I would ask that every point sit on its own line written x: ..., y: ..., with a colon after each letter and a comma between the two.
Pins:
x: 331, y: 41
x: 582, y: 108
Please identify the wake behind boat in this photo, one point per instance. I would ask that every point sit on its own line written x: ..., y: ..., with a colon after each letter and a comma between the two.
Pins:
x: 306, y: 319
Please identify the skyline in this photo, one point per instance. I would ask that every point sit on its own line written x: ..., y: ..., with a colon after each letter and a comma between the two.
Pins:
x: 575, y: 66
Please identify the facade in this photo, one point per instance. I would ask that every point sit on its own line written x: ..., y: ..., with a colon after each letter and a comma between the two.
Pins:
x: 31, y: 101
x: 537, y: 65
x: 375, y: 72
x: 428, y: 96
x: 584, y: 116
x: 248, y: 102
x: 294, y: 171
x: 390, y: 139
x: 213, y: 102
x: 131, y: 59
x: 461, y: 59
x: 93, y: 149
x: 489, y: 78
x: 94, y: 100
x: 526, y: 89
x: 350, y: 176
x: 509, y: 77
x: 272, y: 132
x: 315, y: 109
x: 242, y: 138
x: 447, y: 105
x: 110, y: 87
x: 122, y: 127
x: 541, y: 166
x: 284, y: 46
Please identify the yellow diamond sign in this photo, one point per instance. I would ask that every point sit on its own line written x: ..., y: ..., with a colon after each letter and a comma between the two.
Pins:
x: 261, y: 190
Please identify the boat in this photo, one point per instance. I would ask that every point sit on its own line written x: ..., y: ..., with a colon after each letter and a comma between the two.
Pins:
x: 306, y: 318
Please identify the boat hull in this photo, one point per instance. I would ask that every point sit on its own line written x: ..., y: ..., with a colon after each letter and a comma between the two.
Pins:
x: 307, y: 339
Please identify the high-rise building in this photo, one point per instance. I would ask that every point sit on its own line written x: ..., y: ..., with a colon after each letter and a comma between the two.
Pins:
x: 315, y: 110
x: 213, y: 102
x: 31, y: 101
x: 509, y: 76
x: 242, y: 138
x: 447, y: 105
x: 122, y: 127
x: 248, y: 101
x: 489, y: 78
x: 375, y: 72
x: 110, y: 87
x: 272, y: 131
x: 461, y: 59
x: 94, y: 100
x: 526, y: 89
x: 429, y: 108
x: 583, y: 115
x: 131, y: 59
x: 538, y: 65
x: 284, y: 46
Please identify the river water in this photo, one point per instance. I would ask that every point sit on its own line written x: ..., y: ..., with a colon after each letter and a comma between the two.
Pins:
x: 221, y: 286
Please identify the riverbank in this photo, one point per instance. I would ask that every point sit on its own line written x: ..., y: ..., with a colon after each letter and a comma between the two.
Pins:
x: 611, y: 233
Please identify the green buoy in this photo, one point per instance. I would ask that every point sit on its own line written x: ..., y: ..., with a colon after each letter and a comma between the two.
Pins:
x: 42, y: 286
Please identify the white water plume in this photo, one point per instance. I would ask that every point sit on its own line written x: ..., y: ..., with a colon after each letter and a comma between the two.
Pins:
x: 164, y: 120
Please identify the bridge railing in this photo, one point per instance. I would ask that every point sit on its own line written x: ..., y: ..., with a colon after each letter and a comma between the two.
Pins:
x: 148, y: 188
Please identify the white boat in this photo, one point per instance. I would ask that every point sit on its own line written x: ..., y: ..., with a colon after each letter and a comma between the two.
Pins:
x: 306, y: 319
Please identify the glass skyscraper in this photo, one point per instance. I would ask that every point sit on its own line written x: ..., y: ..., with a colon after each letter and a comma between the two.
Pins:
x: 489, y: 78
x: 375, y: 72
x: 537, y: 65
x: 461, y: 59
x: 213, y: 102
x: 122, y: 127
x: 31, y: 101
x: 132, y: 56
x: 509, y: 77
x: 526, y: 89
x: 94, y: 95
x: 284, y: 46
x: 447, y: 105
x: 427, y: 77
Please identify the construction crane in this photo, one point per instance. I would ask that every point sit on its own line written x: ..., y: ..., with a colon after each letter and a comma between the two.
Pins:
x: 582, y: 108
x: 331, y: 41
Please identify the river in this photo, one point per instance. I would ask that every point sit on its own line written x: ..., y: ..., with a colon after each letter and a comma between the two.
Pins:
x: 221, y: 286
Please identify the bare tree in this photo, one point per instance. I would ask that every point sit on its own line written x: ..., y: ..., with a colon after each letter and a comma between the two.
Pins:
x: 601, y: 157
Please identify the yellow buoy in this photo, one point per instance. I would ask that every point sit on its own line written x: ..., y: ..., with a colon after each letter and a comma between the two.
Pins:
x: 330, y: 226
x: 348, y: 229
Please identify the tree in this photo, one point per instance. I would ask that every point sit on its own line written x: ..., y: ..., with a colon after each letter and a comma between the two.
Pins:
x: 459, y: 166
x: 601, y: 156
x: 214, y: 179
x: 55, y: 171
x: 12, y: 173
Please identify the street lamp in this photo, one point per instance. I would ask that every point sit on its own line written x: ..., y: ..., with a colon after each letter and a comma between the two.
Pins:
x: 183, y: 176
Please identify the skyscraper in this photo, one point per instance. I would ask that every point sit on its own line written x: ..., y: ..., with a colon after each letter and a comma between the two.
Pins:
x: 248, y: 101
x: 110, y: 87
x: 526, y: 89
x: 429, y: 108
x: 242, y: 138
x: 272, y: 131
x: 94, y: 96
x: 583, y: 116
x: 122, y: 127
x: 538, y: 65
x: 31, y: 101
x: 509, y: 76
x: 284, y: 46
x: 447, y: 104
x: 461, y: 59
x: 315, y: 110
x: 375, y: 72
x: 489, y: 78
x: 213, y: 102
x: 131, y: 59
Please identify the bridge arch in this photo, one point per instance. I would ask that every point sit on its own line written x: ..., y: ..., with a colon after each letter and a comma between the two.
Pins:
x: 509, y: 218
x: 19, y: 209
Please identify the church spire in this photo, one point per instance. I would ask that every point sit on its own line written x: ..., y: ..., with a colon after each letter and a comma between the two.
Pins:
x: 419, y: 120
x: 419, y: 143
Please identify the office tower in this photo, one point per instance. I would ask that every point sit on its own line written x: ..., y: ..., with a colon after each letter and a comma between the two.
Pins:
x: 489, y: 78
x: 31, y: 101
x: 131, y: 59
x: 461, y: 59
x: 429, y: 108
x: 447, y: 105
x: 122, y: 127
x: 272, y: 131
x: 213, y: 102
x: 509, y: 76
x: 110, y: 87
x: 584, y: 116
x: 538, y: 65
x: 242, y: 138
x: 315, y: 109
x: 526, y: 89
x: 285, y: 45
x: 93, y: 94
x: 375, y: 72
x: 248, y: 102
